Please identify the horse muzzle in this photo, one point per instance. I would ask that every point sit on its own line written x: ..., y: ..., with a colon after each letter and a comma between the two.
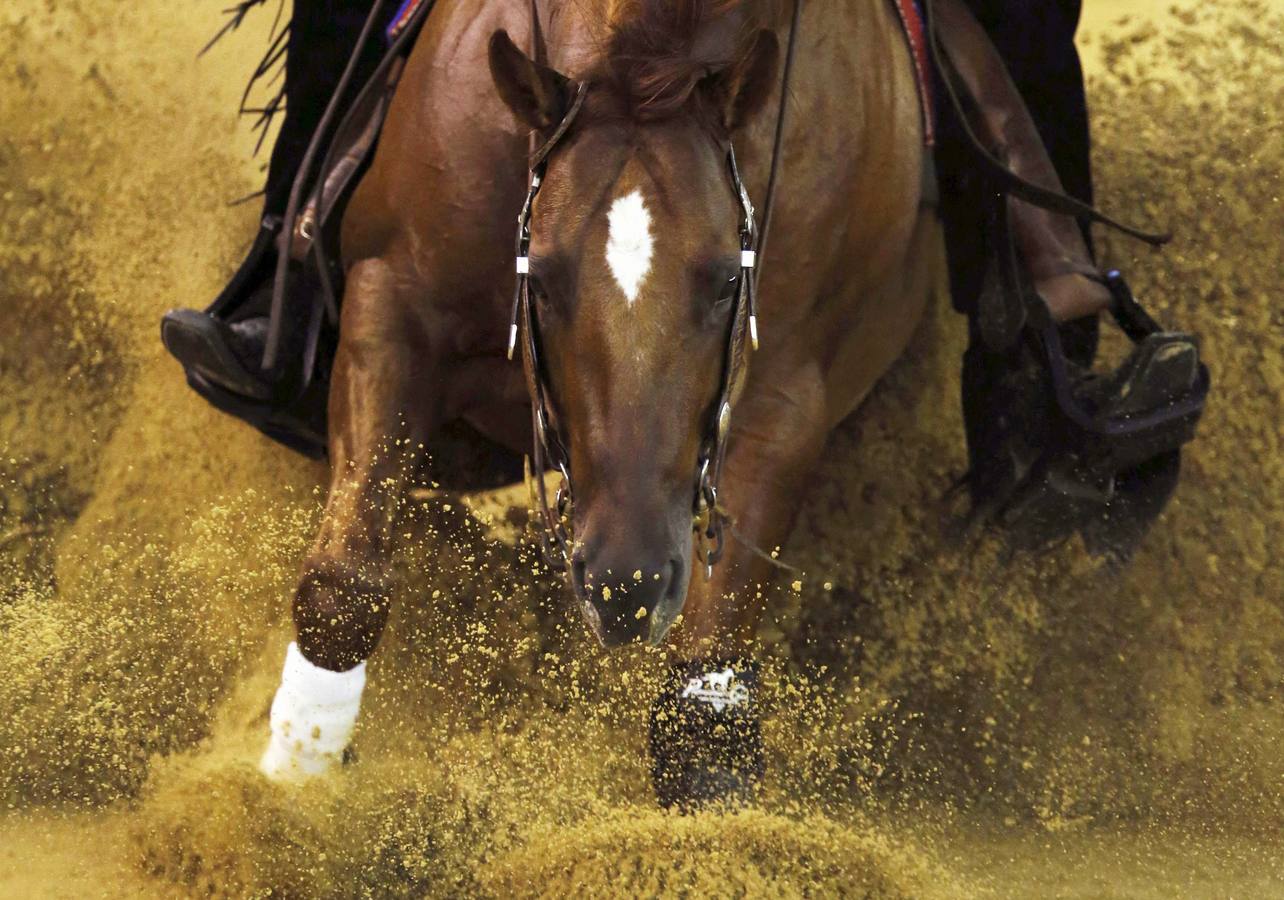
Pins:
x: 630, y: 602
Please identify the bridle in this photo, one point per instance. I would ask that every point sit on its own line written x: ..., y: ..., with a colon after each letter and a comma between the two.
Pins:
x: 549, y: 451
x: 709, y: 519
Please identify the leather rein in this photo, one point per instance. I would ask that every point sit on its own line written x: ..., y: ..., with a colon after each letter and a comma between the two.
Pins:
x: 709, y: 521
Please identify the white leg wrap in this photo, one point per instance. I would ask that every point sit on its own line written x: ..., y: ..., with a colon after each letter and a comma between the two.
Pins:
x: 313, y: 716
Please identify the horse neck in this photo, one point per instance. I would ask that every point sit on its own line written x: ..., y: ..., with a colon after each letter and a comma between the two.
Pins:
x: 861, y: 85
x: 577, y: 30
x: 852, y: 153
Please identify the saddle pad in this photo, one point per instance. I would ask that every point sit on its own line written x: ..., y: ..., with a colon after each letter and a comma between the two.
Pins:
x: 909, y: 12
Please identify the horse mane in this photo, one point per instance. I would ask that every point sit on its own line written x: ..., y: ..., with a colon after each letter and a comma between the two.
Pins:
x: 659, y: 51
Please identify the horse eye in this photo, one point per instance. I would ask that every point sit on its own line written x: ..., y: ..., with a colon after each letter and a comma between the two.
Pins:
x: 536, y: 289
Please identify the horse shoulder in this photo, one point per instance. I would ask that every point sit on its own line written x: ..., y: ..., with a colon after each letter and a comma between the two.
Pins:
x: 449, y: 169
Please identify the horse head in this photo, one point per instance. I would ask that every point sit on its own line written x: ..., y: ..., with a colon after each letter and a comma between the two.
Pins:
x: 634, y: 263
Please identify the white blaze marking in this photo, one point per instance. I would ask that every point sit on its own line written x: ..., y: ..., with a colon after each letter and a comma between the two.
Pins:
x: 629, y: 245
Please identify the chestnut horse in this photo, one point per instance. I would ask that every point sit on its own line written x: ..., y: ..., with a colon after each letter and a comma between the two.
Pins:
x: 634, y: 264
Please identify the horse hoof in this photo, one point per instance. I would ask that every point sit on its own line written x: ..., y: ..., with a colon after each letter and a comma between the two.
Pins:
x: 282, y: 766
x: 312, y: 720
x: 706, y: 736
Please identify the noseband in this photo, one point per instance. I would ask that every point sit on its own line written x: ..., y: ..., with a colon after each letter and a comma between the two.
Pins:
x: 556, y: 540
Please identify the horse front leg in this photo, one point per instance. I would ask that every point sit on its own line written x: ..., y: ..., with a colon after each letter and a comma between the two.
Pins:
x: 706, y: 743
x: 382, y: 408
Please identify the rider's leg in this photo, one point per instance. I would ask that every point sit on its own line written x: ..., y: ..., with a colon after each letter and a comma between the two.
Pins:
x: 1030, y: 467
x: 225, y: 343
x: 1053, y: 247
x: 1036, y: 42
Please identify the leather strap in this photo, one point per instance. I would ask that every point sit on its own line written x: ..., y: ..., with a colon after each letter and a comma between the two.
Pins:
x: 301, y: 180
x: 283, y: 277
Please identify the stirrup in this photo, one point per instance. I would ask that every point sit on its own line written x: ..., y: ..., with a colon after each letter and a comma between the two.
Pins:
x: 1057, y: 449
x: 1150, y: 405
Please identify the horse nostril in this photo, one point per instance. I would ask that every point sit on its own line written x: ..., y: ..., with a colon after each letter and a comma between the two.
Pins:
x: 578, y: 577
x: 663, y: 579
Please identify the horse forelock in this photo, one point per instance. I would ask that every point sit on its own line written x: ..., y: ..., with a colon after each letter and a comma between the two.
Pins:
x: 658, y: 52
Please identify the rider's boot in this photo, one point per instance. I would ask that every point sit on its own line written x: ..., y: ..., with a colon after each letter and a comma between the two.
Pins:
x: 1054, y: 447
x: 224, y: 344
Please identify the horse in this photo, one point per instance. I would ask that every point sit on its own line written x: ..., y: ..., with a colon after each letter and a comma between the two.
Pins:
x: 634, y: 284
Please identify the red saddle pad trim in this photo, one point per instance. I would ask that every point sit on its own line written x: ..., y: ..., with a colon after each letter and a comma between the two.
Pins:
x: 912, y: 21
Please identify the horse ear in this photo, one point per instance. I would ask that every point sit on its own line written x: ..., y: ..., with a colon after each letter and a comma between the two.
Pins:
x: 747, y: 85
x: 536, y: 94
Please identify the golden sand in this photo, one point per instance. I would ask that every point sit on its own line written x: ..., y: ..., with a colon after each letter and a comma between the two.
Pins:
x: 946, y: 720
